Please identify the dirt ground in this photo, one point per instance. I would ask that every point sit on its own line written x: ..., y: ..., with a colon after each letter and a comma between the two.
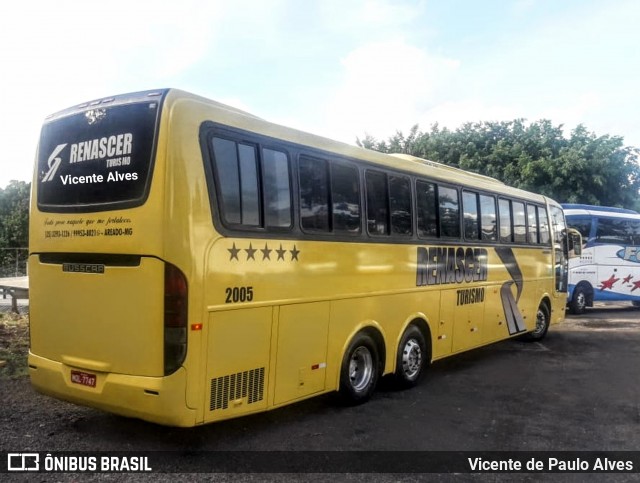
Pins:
x: 575, y: 391
x: 14, y: 345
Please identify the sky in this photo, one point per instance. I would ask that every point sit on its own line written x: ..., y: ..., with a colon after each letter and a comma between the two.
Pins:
x: 338, y: 68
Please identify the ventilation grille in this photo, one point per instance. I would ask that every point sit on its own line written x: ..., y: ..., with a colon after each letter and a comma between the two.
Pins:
x: 247, y: 384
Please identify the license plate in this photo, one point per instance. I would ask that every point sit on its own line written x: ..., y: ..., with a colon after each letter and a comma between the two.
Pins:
x: 83, y: 378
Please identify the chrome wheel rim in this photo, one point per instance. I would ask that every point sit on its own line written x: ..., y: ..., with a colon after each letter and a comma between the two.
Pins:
x: 411, y: 358
x: 360, y: 368
x: 541, y: 322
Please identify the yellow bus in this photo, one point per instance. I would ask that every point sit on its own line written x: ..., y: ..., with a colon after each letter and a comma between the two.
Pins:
x: 190, y: 262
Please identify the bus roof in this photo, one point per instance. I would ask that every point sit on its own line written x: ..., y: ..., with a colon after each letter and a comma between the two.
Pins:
x: 402, y: 162
x: 594, y: 210
x: 435, y: 164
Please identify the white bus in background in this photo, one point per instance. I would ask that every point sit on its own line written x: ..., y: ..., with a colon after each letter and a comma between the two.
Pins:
x: 609, y: 266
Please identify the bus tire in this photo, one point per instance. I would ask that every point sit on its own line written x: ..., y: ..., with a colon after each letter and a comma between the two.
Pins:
x: 543, y: 318
x: 412, y: 358
x: 578, y: 300
x: 360, y: 370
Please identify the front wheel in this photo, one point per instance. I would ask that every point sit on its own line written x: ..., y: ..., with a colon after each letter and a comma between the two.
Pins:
x: 578, y: 301
x: 543, y: 318
x: 359, y: 371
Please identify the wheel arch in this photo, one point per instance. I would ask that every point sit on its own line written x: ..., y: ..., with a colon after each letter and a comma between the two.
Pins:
x: 376, y: 332
x: 546, y: 300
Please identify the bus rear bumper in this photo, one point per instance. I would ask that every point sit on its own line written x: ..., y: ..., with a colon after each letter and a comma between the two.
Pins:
x: 159, y: 400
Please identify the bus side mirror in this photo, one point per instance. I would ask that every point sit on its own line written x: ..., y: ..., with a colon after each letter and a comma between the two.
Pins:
x: 575, y: 243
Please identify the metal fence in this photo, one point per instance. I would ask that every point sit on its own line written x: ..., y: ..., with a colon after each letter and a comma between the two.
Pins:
x: 13, y: 262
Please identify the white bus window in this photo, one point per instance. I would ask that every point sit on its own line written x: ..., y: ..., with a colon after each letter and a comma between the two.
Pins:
x: 613, y: 231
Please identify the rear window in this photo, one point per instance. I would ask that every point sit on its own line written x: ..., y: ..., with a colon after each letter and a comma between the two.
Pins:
x: 98, y: 159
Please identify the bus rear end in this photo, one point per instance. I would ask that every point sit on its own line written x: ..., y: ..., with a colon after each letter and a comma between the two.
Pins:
x: 108, y: 305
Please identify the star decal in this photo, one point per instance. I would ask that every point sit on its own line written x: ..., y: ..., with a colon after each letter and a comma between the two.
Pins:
x: 266, y: 252
x: 234, y: 252
x: 250, y: 252
x: 636, y: 285
x: 627, y: 279
x: 608, y: 284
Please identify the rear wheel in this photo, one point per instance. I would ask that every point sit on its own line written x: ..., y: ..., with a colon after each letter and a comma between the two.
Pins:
x: 412, y: 357
x: 359, y: 371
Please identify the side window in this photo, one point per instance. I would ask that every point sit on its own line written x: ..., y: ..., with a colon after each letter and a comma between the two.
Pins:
x: 635, y: 232
x: 504, y: 209
x: 400, y: 204
x: 253, y: 192
x: 277, y: 188
x: 449, y: 208
x: 614, y: 231
x: 345, y: 195
x: 427, y: 209
x: 582, y: 224
x: 237, y: 172
x: 519, y: 222
x: 470, y: 210
x: 377, y: 203
x: 532, y: 224
x: 314, y: 194
x: 543, y: 222
x: 489, y: 224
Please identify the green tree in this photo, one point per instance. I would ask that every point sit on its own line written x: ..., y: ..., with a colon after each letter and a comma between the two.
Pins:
x: 580, y: 168
x: 14, y: 226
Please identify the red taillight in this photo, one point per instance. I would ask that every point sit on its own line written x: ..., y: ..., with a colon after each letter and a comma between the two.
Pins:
x: 175, y: 318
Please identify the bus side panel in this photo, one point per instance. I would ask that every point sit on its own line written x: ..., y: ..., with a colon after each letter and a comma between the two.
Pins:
x: 468, y: 319
x: 237, y: 377
x: 495, y: 327
x: 618, y: 278
x: 301, y: 351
